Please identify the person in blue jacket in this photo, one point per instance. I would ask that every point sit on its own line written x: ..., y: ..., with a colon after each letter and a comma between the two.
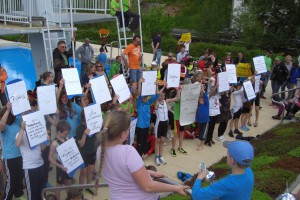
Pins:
x: 239, y: 184
x: 295, y: 73
x: 143, y: 120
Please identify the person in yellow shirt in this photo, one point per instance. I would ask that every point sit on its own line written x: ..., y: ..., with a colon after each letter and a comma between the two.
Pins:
x: 154, y: 67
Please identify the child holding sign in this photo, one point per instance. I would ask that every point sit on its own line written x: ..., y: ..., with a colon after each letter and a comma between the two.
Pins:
x: 161, y: 126
x: 9, y: 127
x: 32, y: 165
x: 63, y: 129
x: 87, y: 146
x: 143, y: 120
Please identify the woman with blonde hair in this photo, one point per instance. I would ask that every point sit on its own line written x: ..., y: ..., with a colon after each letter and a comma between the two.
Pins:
x: 122, y: 167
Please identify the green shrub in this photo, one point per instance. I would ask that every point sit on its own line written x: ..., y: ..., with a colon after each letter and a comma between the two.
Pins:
x: 261, y: 161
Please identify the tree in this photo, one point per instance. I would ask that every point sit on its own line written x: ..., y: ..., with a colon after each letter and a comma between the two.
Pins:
x: 268, y: 23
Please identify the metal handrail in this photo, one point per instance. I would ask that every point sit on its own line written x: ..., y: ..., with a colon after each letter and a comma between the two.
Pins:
x: 286, y: 91
x: 85, y: 186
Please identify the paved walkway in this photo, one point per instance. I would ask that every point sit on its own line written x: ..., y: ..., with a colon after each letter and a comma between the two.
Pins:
x: 209, y: 155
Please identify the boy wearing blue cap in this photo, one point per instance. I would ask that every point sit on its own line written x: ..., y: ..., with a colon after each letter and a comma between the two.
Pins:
x: 239, y: 184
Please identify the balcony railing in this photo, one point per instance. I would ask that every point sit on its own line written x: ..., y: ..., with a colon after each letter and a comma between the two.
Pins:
x: 25, y: 11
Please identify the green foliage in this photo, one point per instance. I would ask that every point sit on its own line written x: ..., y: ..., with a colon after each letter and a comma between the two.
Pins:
x: 177, y: 197
x: 256, y: 194
x: 272, y: 181
x: 261, y: 161
x: 295, y: 152
x: 270, y: 24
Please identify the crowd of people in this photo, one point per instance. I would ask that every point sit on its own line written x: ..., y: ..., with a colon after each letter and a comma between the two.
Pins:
x: 121, y: 165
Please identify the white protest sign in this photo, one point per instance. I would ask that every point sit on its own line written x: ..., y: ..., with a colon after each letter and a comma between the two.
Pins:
x: 132, y: 131
x: 223, y: 80
x: 173, y: 75
x: 230, y: 69
x: 249, y: 90
x: 188, y: 103
x: 260, y: 64
x: 35, y: 128
x: 69, y: 155
x: 257, y: 84
x: 46, y: 97
x: 149, y: 86
x: 100, y: 90
x: 93, y: 118
x: 121, y: 88
x: 17, y: 96
x: 72, y: 81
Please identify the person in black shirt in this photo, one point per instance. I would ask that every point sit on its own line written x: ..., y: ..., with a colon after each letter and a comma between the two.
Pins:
x: 156, y: 46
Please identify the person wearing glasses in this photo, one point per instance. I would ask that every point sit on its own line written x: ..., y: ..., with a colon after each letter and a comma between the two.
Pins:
x: 60, y: 60
x: 170, y: 59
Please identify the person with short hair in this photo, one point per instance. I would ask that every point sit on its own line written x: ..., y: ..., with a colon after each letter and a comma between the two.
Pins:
x: 62, y: 178
x: 102, y: 57
x: 156, y: 46
x: 170, y: 59
x: 133, y: 51
x: 85, y: 53
x: 239, y: 184
x: 289, y: 65
x: 181, y: 54
x: 115, y: 67
x: 60, y: 60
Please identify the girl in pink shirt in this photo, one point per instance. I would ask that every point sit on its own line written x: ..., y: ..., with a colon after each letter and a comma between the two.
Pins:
x: 121, y: 166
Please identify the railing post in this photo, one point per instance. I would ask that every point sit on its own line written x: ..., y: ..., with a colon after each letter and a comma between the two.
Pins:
x: 59, y: 8
x: 105, y: 6
x: 72, y: 30
x: 4, y: 11
x: 30, y: 13
x: 141, y: 32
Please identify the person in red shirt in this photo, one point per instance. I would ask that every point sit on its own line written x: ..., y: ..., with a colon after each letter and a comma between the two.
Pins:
x: 150, y: 143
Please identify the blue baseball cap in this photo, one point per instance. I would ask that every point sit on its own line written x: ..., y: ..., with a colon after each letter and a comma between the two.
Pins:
x: 240, y: 151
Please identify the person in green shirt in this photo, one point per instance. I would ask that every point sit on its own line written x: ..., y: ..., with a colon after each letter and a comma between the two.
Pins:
x: 115, y: 10
x: 266, y: 75
x: 115, y: 67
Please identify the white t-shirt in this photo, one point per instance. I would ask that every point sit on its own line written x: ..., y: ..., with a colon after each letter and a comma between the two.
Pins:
x: 121, y: 161
x: 214, y: 105
x: 187, y: 46
x: 238, y: 99
x: 32, y: 158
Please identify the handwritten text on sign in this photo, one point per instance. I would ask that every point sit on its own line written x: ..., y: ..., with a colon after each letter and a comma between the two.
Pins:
x: 70, y: 155
x: 173, y: 75
x: 72, y: 82
x: 260, y: 64
x: 93, y: 117
x: 35, y: 128
x: 47, y: 99
x: 17, y: 95
x: 100, y: 90
x: 249, y: 90
x: 188, y: 105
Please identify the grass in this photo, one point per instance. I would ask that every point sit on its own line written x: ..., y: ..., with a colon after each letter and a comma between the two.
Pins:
x: 276, y: 162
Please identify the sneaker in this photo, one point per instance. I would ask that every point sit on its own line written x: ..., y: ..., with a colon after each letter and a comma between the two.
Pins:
x: 162, y: 160
x: 237, y: 131
x: 245, y: 128
x: 276, y: 117
x: 165, y: 144
x: 181, y: 150
x: 157, y: 161
x: 220, y: 139
x: 230, y: 134
x: 91, y: 191
x: 173, y: 153
x: 21, y: 198
x: 262, y: 96
x: 288, y: 117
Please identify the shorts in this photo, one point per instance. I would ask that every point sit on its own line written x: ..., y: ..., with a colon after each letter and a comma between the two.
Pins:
x: 257, y: 100
x: 61, y: 175
x: 89, y: 159
x: 177, y: 125
x: 161, y: 129
x: 245, y: 110
x: 237, y: 114
x: 171, y: 120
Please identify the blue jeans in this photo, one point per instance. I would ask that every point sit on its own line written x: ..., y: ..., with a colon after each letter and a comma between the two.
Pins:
x: 83, y: 68
x: 275, y: 89
x: 265, y: 79
x: 157, y: 56
x: 135, y: 74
